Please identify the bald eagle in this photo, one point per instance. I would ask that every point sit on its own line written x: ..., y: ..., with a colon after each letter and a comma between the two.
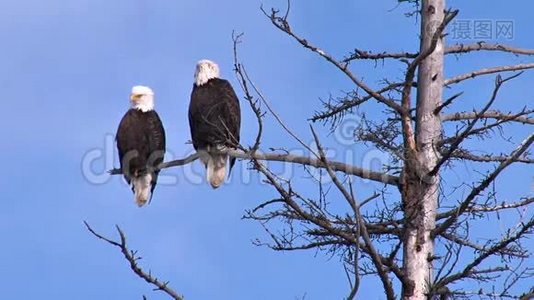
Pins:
x: 141, y: 144
x: 214, y: 119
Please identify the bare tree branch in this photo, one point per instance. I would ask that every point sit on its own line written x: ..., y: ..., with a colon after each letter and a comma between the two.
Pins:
x: 480, y: 130
x: 484, y: 208
x: 466, y: 155
x: 483, y: 185
x: 487, y: 71
x: 461, y: 48
x: 390, y: 294
x: 466, y: 243
x: 285, y: 157
x: 470, y: 268
x: 359, y: 54
x: 343, y: 107
x: 132, y: 259
x: 283, y: 25
x: 459, y: 116
x: 447, y: 102
x: 468, y: 130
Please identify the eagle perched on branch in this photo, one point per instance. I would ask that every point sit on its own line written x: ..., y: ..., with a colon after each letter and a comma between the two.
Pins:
x: 214, y: 119
x: 141, y: 144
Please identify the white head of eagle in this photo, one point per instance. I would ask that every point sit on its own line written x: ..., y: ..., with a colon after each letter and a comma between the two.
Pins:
x: 142, y: 98
x: 205, y: 70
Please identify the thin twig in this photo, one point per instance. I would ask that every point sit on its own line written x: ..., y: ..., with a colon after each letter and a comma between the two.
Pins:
x: 375, y: 257
x: 239, y: 69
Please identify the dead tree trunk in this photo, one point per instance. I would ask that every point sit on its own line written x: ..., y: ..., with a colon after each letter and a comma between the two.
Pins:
x: 421, y: 188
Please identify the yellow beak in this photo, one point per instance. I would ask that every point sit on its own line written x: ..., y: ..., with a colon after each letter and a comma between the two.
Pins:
x: 134, y: 97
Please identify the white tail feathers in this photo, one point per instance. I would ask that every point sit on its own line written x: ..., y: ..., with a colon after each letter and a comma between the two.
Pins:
x: 142, y: 187
x: 216, y: 169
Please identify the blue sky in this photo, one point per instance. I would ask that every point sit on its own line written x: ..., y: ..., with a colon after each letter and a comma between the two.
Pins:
x: 66, y: 70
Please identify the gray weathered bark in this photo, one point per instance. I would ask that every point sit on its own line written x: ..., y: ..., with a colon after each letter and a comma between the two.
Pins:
x: 420, y: 210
